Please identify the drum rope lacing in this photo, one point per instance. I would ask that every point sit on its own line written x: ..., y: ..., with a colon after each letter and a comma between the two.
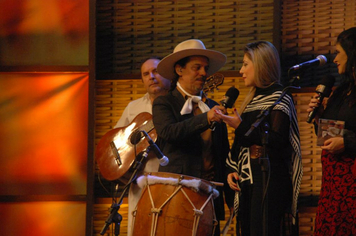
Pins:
x: 197, y: 213
x: 156, y: 211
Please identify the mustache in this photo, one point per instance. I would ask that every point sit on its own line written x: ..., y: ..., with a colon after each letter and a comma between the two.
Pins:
x: 203, y: 78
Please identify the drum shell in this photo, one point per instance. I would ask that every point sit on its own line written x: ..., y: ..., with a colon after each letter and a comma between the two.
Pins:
x: 177, y: 215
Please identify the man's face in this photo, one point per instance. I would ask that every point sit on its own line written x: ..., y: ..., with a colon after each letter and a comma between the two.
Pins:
x: 153, y: 82
x: 194, y: 74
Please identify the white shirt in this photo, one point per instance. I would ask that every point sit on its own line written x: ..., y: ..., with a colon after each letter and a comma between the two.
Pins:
x: 134, y: 108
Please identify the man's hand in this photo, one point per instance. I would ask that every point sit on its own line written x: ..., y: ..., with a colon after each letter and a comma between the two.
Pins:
x: 213, y: 115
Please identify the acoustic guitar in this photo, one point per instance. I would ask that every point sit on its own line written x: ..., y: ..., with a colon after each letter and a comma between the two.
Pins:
x: 115, y: 153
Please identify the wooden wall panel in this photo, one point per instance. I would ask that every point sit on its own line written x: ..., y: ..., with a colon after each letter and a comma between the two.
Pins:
x: 128, y: 31
x: 309, y: 28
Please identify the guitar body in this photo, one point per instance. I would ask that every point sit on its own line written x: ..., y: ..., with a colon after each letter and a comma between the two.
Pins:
x: 115, y: 154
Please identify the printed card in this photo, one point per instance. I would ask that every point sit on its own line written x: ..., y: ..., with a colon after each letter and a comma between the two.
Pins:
x: 328, y: 129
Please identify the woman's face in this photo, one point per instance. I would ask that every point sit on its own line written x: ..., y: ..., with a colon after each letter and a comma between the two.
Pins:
x: 340, y: 59
x: 248, y: 72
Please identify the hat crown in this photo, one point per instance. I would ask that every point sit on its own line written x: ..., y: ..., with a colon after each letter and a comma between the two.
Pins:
x: 189, y: 44
x: 188, y: 48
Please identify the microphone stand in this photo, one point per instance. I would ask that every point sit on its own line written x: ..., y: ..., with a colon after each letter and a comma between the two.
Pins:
x: 114, y: 216
x: 264, y: 160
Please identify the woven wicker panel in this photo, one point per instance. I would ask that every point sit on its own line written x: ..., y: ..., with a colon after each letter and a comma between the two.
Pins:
x: 102, y: 209
x: 306, y: 221
x: 113, y: 95
x: 310, y: 28
x: 128, y: 31
x: 310, y: 151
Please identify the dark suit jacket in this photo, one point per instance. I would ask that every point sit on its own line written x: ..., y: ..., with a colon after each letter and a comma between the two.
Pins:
x: 179, y: 139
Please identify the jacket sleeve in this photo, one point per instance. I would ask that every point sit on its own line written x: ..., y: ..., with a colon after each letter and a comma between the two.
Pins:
x: 350, y: 142
x: 171, y: 125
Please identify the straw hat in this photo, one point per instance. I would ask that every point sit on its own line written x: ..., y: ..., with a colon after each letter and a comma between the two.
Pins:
x: 191, y: 47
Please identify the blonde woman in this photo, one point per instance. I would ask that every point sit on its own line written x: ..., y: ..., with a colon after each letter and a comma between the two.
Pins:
x: 261, y: 71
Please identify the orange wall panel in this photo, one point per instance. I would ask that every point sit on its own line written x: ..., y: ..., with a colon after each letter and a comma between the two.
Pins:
x: 43, y: 133
x: 54, y: 32
x: 42, y: 218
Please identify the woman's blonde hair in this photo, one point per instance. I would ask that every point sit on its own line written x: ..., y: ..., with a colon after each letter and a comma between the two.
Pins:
x: 267, y: 67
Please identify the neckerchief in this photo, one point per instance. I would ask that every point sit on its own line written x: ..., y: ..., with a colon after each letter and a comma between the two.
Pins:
x: 188, y: 106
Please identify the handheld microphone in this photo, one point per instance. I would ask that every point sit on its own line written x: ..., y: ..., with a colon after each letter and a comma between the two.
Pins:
x: 136, y: 137
x: 230, y: 97
x: 318, y: 61
x: 229, y: 100
x: 324, y: 90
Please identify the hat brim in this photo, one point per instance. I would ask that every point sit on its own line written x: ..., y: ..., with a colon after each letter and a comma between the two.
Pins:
x: 166, y: 66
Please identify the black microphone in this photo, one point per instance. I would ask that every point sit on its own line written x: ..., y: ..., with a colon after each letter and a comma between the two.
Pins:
x: 324, y: 90
x: 318, y: 61
x: 229, y: 100
x: 230, y: 97
x: 136, y: 137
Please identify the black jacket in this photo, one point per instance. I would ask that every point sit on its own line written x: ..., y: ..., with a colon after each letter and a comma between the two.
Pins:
x: 179, y: 139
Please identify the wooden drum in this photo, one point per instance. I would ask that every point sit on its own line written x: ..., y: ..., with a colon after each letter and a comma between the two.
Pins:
x: 173, y: 204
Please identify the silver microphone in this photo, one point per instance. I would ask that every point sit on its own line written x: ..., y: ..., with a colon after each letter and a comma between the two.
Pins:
x: 318, y: 61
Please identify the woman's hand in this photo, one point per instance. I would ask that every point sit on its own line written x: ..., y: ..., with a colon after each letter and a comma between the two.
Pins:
x: 233, y: 121
x: 334, y: 145
x: 232, y: 179
x: 314, y: 104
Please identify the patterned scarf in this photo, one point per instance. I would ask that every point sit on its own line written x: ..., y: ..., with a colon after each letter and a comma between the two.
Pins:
x: 242, y: 165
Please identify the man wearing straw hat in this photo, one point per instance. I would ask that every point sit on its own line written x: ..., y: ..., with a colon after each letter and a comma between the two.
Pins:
x: 183, y: 119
